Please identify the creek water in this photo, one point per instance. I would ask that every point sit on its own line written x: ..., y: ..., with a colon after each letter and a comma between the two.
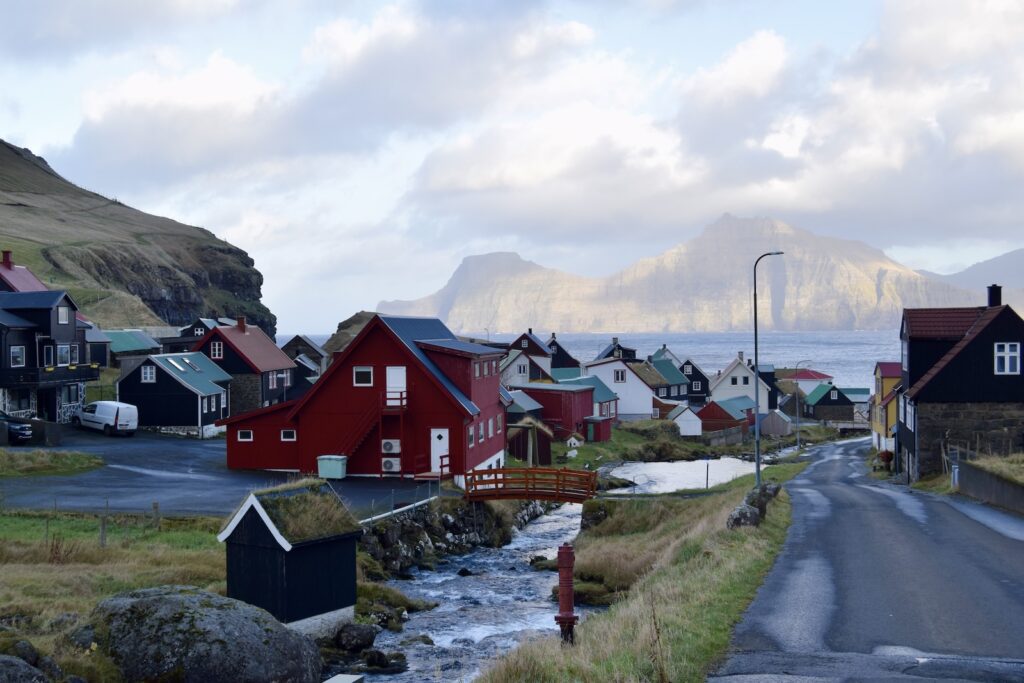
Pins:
x: 664, y: 477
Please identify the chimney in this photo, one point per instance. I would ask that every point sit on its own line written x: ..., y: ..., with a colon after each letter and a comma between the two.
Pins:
x: 529, y: 330
x: 241, y: 323
x: 554, y: 336
x: 615, y: 340
x: 995, y: 292
x: 740, y: 355
x: 7, y: 259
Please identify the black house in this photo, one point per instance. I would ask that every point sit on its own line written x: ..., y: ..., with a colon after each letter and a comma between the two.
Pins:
x: 292, y: 551
x: 301, y: 345
x: 190, y: 334
x: 560, y: 358
x: 617, y: 350
x: 767, y: 372
x: 697, y: 392
x: 44, y: 364
x: 962, y: 383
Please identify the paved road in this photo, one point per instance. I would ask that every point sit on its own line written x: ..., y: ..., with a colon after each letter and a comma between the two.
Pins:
x: 879, y: 583
x: 186, y: 476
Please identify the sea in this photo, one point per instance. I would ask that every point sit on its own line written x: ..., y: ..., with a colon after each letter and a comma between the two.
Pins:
x: 848, y: 356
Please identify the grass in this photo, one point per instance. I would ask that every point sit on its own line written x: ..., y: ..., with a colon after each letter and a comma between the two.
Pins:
x: 15, y: 462
x: 104, y: 388
x: 936, y: 483
x: 306, y: 509
x: 682, y: 581
x: 1010, y: 467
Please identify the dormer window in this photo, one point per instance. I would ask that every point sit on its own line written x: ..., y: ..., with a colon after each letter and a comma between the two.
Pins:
x: 1007, y: 358
x: 63, y: 315
x: 199, y: 332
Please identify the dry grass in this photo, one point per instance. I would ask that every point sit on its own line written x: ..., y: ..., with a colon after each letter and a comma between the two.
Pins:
x: 15, y: 462
x: 305, y: 509
x: 1010, y: 467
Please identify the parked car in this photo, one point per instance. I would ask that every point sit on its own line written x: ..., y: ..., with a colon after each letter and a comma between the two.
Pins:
x: 18, y: 431
x: 111, y: 417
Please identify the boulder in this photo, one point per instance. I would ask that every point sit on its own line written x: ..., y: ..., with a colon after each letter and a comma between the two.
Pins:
x: 465, y: 571
x: 188, y: 634
x: 772, y: 489
x: 744, y: 515
x: 759, y: 500
x: 17, y: 670
x: 26, y: 651
x: 375, y: 659
x: 354, y: 637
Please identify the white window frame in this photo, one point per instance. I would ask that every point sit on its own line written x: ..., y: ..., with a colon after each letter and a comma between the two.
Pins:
x: 500, y: 420
x: 618, y: 376
x: 63, y: 315
x: 833, y: 395
x: 904, y: 355
x: 487, y: 369
x: 662, y: 391
x: 24, y: 357
x: 525, y: 343
x: 294, y: 435
x: 198, y: 332
x: 471, y: 437
x: 696, y: 385
x: 205, y: 404
x: 287, y: 377
x: 149, y: 374
x: 687, y: 369
x: 476, y: 370
x: 217, y: 350
x: 1009, y: 354
x: 490, y: 428
x: 480, y: 431
x: 246, y: 435
x: 66, y: 349
x: 356, y: 369
x: 272, y: 379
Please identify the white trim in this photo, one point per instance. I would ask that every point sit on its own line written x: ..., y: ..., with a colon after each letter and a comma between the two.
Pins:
x: 295, y: 434
x: 253, y: 502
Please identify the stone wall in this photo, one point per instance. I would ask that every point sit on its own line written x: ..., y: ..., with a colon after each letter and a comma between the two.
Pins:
x: 982, y: 427
x: 990, y: 488
x: 833, y: 413
x: 245, y: 393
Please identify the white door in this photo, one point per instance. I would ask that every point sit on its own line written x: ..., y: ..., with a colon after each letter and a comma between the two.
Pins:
x: 395, y: 380
x: 438, y: 447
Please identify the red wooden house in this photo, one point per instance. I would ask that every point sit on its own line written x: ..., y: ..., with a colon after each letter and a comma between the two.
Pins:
x: 714, y: 418
x: 565, y: 406
x: 404, y: 397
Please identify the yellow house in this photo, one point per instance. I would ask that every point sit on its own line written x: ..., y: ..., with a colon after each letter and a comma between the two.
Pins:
x: 883, y: 404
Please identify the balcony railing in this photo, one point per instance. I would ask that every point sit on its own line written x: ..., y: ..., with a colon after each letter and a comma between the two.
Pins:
x: 82, y: 372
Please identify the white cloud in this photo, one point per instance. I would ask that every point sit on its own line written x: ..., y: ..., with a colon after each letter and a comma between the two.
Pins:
x: 752, y: 69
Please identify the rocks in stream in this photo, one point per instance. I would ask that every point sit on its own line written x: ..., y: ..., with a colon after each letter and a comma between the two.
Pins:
x: 465, y: 571
x: 353, y: 637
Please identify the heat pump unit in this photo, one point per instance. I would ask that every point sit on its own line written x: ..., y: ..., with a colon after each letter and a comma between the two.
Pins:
x: 391, y: 464
x: 391, y: 446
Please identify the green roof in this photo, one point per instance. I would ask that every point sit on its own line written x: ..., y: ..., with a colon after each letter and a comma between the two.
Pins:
x: 737, y: 406
x: 669, y: 371
x: 820, y: 391
x: 194, y: 370
x: 856, y: 394
x: 602, y: 393
x: 127, y: 341
x: 561, y: 374
x: 306, y: 510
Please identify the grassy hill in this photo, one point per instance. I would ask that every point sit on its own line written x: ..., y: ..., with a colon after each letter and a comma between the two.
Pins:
x: 122, y: 266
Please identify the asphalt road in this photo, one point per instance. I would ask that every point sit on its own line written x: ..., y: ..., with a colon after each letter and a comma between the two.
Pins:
x: 185, y: 476
x: 876, y: 582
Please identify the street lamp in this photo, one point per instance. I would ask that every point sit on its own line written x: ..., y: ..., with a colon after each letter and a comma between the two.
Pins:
x: 757, y: 380
x: 796, y: 395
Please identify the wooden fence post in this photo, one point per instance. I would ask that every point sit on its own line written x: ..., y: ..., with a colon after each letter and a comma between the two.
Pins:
x: 156, y: 515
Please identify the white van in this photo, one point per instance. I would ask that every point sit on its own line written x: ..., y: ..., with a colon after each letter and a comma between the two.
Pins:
x: 111, y: 417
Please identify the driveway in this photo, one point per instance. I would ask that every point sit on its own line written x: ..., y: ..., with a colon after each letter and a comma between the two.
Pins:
x: 878, y: 582
x: 185, y: 476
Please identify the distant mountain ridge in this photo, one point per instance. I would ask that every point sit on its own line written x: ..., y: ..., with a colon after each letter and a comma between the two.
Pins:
x: 702, y: 285
x: 122, y: 266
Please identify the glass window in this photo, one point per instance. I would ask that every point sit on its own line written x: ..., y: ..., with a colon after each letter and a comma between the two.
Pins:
x: 1007, y: 358
x: 480, y: 432
x: 662, y: 391
x: 521, y: 368
x: 288, y: 377
x: 69, y: 394
x: 47, y: 356
x: 273, y: 379
x: 74, y: 353
x: 206, y: 405
x: 834, y: 395
x: 217, y: 350
x: 904, y: 355
x: 499, y: 418
x: 198, y: 332
x: 288, y: 435
x: 148, y: 374
x: 245, y: 435
x: 476, y: 369
x: 362, y: 376
x: 687, y: 369
x: 733, y: 381
x: 487, y: 369
x: 696, y: 385
x: 17, y: 356
x: 490, y: 427
x: 470, y: 435
x: 746, y: 381
x: 63, y: 315
x: 620, y: 375
x: 525, y: 343
x: 63, y: 354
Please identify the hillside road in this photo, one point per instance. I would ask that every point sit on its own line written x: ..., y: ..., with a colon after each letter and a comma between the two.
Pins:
x: 876, y: 582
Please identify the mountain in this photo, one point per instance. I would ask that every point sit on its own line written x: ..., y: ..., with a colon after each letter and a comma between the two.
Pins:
x: 1006, y: 270
x: 122, y: 266
x: 703, y: 285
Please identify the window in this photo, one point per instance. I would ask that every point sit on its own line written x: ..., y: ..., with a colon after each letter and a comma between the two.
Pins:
x: 17, y: 356
x: 19, y: 399
x: 198, y: 332
x: 63, y: 355
x: 480, y: 432
x: 213, y: 403
x: 470, y: 435
x: 288, y: 435
x: 272, y: 379
x: 499, y: 419
x: 904, y: 357
x: 521, y: 368
x: 525, y: 343
x: 687, y: 369
x: 746, y: 381
x: 662, y: 391
x: 148, y: 374
x: 494, y: 367
x: 910, y: 416
x: 490, y: 428
x: 63, y: 315
x: 696, y: 385
x: 223, y: 399
x: 245, y: 435
x: 834, y: 395
x: 288, y: 377
x: 619, y: 375
x: 362, y: 376
x: 74, y: 353
x: 733, y: 381
x: 612, y: 410
x: 487, y: 369
x: 476, y: 369
x: 48, y: 356
x: 206, y: 405
x: 69, y: 394
x: 217, y: 350
x: 1008, y: 358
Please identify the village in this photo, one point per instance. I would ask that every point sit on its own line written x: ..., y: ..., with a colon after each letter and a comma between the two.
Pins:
x: 406, y: 402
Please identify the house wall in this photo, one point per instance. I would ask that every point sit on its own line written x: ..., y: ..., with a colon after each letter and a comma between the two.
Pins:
x: 689, y: 424
x: 982, y: 427
x: 163, y: 403
x: 724, y: 389
x: 246, y: 393
x: 715, y: 418
x: 635, y: 397
x: 564, y: 411
x: 832, y: 413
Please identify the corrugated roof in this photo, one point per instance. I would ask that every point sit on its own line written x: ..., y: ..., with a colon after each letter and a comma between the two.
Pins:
x: 547, y: 386
x: 669, y: 371
x: 313, y: 345
x: 129, y: 341
x: 460, y: 346
x: 562, y: 374
x: 21, y: 279
x: 524, y: 402
x: 262, y: 354
x: 820, y: 391
x: 940, y: 323
x: 738, y: 402
x: 602, y: 393
x: 736, y: 412
x: 9, y: 320
x: 15, y: 301
x: 889, y: 368
x: 193, y: 370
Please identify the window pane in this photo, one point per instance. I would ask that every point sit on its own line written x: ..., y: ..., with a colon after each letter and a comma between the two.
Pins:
x: 1000, y: 363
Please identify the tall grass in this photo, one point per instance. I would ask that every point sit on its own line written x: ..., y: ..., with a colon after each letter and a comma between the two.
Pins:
x: 23, y: 462
x: 1010, y: 467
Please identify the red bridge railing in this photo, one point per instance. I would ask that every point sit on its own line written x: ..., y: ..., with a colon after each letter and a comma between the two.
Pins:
x: 561, y: 485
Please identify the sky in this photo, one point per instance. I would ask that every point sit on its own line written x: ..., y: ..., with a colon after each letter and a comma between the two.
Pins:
x: 358, y: 151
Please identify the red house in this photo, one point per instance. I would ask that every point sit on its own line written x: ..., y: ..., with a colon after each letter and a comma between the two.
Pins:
x: 714, y: 418
x: 404, y: 397
x: 566, y: 406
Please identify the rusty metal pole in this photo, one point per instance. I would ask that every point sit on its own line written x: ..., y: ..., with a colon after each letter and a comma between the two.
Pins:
x: 565, y: 618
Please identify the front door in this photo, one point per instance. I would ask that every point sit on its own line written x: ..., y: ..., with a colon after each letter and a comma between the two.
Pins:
x: 438, y: 447
x: 395, y: 380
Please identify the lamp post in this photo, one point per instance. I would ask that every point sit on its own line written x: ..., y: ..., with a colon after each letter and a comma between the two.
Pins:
x: 796, y: 395
x: 757, y: 380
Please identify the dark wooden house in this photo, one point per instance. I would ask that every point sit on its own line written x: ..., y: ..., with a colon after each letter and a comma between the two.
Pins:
x: 301, y: 345
x: 677, y: 382
x: 827, y: 403
x: 560, y: 358
x: 616, y: 350
x: 279, y: 560
x: 699, y: 388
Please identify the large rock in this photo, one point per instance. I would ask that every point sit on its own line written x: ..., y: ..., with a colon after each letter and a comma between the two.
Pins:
x: 186, y: 634
x: 17, y: 670
x: 744, y: 515
x: 759, y: 499
x: 356, y: 637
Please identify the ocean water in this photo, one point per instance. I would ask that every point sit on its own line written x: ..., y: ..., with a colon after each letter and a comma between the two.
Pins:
x: 850, y: 357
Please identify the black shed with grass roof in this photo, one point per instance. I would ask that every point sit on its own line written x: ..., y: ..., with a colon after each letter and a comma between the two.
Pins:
x: 292, y: 551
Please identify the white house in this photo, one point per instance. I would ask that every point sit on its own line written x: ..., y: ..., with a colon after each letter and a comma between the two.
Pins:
x: 636, y: 399
x: 520, y: 368
x: 739, y: 380
x: 686, y: 420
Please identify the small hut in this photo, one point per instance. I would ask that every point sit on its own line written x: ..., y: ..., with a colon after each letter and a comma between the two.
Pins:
x: 776, y: 423
x: 291, y: 550
x: 530, y: 440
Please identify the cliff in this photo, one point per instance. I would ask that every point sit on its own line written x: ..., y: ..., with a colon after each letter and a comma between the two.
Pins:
x: 703, y: 285
x: 122, y: 266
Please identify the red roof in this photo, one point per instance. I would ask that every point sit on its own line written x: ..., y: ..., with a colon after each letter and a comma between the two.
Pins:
x: 890, y: 397
x: 21, y: 279
x: 807, y: 373
x: 253, y: 345
x: 889, y: 368
x: 987, y: 315
x: 939, y: 323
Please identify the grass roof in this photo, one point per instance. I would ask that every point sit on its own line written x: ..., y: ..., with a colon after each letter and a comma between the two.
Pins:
x: 306, y: 510
x: 530, y: 421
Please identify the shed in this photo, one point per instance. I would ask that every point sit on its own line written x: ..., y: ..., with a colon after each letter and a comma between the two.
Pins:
x: 529, y: 440
x: 775, y: 423
x: 686, y: 420
x: 564, y: 405
x: 291, y: 550
x: 598, y: 429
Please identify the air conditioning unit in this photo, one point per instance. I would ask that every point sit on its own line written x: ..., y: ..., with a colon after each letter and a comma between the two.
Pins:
x: 391, y: 464
x: 391, y: 446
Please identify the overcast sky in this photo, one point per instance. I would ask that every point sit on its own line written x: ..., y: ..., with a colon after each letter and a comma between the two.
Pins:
x: 358, y: 151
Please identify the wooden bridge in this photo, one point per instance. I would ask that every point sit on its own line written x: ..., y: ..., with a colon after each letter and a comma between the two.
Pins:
x: 538, y: 483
